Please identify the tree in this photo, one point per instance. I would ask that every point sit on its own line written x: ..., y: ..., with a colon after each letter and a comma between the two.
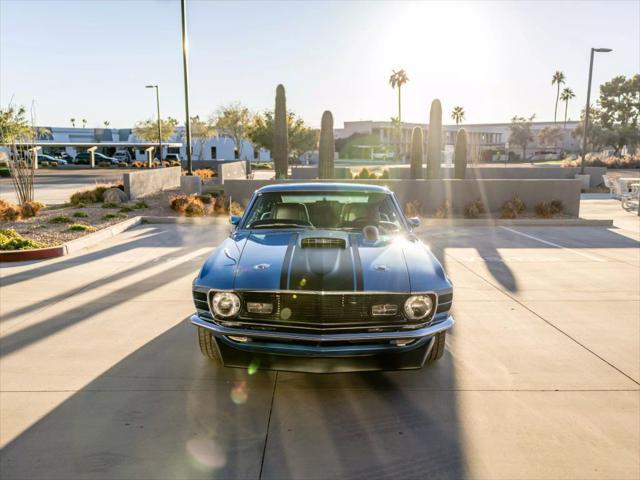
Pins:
x: 520, y: 133
x: 233, y: 120
x: 557, y: 79
x: 73, y: 122
x: 551, y: 136
x: 301, y: 138
x: 106, y: 123
x: 398, y: 79
x: 201, y: 131
x: 17, y: 131
x: 14, y: 126
x: 84, y: 122
x: 566, y: 95
x: 614, y: 119
x: 457, y: 114
x: 147, y: 130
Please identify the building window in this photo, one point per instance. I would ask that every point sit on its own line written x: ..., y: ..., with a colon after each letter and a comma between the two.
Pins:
x: 236, y: 154
x: 214, y: 153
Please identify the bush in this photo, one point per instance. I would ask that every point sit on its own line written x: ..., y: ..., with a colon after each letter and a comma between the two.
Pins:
x: 509, y: 210
x: 110, y: 205
x: 9, y: 212
x: 104, y: 164
x: 176, y: 163
x: 195, y: 208
x: 413, y: 209
x: 444, y: 211
x: 137, y: 165
x: 179, y: 203
x: 384, y: 175
x: 81, y: 227
x: 94, y: 195
x: 204, y: 173
x: 165, y: 163
x: 205, y: 198
x: 365, y: 174
x: 5, y: 172
x: 123, y: 165
x: 44, y: 163
x: 80, y: 215
x: 60, y: 219
x: 111, y: 216
x: 140, y: 205
x: 474, y: 209
x: 261, y: 165
x: 556, y: 207
x: 12, y: 240
x: 155, y: 164
x: 31, y: 209
x: 549, y: 209
x: 518, y: 204
x: 236, y: 209
x: 126, y: 209
x: 599, y: 160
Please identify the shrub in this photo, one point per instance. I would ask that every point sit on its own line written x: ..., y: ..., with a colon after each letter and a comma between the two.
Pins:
x: 9, y: 211
x: 165, y: 163
x: 204, y: 173
x: 556, y: 207
x: 599, y: 160
x: 4, y: 172
x: 236, y: 209
x: 31, y: 209
x: 60, y: 219
x: 384, y: 175
x: 123, y: 165
x: 94, y: 195
x: 81, y: 227
x: 111, y: 216
x: 80, y: 215
x: 444, y: 211
x: 195, y: 208
x: 126, y: 209
x: 137, y: 165
x: 509, y: 210
x: 518, y: 204
x: 365, y: 174
x: 474, y: 209
x: 140, y: 205
x: 549, y: 208
x: 104, y: 164
x: 176, y: 163
x: 110, y: 205
x: 179, y: 202
x: 43, y: 164
x: 155, y: 164
x: 12, y: 240
x: 413, y: 209
x: 205, y: 198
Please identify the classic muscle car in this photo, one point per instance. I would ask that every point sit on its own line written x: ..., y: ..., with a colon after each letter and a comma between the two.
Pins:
x: 323, y: 277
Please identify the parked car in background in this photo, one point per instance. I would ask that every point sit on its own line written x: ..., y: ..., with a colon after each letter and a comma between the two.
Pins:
x: 48, y: 158
x: 122, y: 156
x: 64, y: 156
x: 84, y: 158
x: 172, y: 157
x: 323, y: 277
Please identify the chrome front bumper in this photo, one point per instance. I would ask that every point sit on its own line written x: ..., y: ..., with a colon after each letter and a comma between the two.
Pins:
x: 424, y: 332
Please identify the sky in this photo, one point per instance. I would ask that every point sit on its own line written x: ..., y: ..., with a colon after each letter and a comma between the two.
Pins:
x: 92, y: 58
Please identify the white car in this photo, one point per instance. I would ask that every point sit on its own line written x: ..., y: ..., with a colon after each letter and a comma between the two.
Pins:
x: 122, y: 156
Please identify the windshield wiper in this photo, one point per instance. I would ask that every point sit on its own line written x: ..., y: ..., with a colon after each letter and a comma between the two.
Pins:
x: 281, y: 225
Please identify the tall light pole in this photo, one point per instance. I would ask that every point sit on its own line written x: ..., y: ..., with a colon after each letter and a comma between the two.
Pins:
x: 586, y: 110
x: 185, y: 47
x: 159, y: 124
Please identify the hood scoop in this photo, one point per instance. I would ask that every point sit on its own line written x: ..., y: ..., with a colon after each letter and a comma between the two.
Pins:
x: 323, y: 242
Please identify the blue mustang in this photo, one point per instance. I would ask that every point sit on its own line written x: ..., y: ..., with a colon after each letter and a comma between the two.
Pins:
x: 323, y: 277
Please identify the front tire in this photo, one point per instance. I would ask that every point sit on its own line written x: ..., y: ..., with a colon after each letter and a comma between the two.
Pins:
x: 208, y: 345
x: 438, y: 347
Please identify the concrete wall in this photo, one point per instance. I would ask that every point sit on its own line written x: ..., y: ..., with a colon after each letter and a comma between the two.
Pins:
x: 311, y: 172
x: 431, y: 194
x: 232, y: 171
x: 513, y: 173
x: 146, y: 182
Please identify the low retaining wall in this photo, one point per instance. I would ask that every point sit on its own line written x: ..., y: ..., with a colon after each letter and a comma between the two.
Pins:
x: 146, y: 182
x: 432, y: 194
x: 232, y: 171
x: 311, y: 172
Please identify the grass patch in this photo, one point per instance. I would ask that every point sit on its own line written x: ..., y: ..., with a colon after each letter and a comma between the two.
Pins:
x: 111, y: 216
x: 110, y: 205
x: 140, y: 205
x: 126, y: 209
x: 12, y: 240
x: 80, y: 215
x: 60, y: 219
x: 81, y: 227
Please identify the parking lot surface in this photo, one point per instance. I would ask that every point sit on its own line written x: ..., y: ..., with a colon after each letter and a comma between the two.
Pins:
x: 101, y: 376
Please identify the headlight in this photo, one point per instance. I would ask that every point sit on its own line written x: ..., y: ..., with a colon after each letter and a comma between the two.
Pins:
x: 225, y: 304
x: 418, y: 306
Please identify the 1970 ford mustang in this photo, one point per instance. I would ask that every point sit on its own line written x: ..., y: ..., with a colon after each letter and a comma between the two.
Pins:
x: 323, y: 277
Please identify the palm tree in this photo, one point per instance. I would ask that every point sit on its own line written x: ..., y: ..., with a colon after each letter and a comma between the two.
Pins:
x: 557, y: 79
x: 107, y: 123
x: 566, y: 95
x: 84, y: 123
x: 73, y: 122
x: 397, y: 79
x: 457, y: 114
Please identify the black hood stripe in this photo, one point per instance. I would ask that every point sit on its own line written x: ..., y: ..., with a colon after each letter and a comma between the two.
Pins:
x: 286, y: 264
x: 357, y: 265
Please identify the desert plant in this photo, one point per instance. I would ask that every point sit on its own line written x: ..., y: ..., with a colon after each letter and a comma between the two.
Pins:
x: 460, y: 155
x: 326, y: 147
x: 60, y: 219
x: 137, y: 165
x: 236, y: 209
x: 94, y: 195
x: 398, y: 79
x: 444, y: 211
x: 31, y: 209
x: 81, y: 227
x: 123, y: 165
x: 474, y: 209
x: 104, y: 164
x: 280, y: 135
x: 205, y: 198
x: 80, y: 215
x: 544, y: 209
x: 416, y: 153
x: 140, y: 205
x: 413, y: 209
x: 518, y: 204
x: 434, y: 140
x: 204, y: 173
x: 509, y: 210
x: 111, y: 216
x: 126, y: 209
x: 176, y: 163
x: 178, y: 203
x: 384, y: 175
x: 12, y: 240
x: 195, y: 208
x: 365, y: 174
x: 9, y: 212
x: 110, y: 205
x: 165, y: 163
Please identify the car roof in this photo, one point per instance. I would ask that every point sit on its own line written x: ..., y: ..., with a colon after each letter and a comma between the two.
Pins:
x: 323, y: 187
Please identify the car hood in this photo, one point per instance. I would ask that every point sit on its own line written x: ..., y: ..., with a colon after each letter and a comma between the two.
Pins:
x: 283, y: 260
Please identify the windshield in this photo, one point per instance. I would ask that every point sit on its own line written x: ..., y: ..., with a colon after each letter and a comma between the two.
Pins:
x: 326, y: 210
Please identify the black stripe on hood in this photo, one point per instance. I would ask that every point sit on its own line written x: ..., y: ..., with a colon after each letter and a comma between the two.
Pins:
x: 320, y: 269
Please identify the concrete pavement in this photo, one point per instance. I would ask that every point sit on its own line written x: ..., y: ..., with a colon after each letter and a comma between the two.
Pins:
x: 101, y: 376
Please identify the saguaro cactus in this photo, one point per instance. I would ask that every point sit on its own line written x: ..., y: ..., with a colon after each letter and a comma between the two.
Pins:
x: 434, y: 140
x: 280, y: 135
x: 327, y: 147
x: 460, y: 155
x: 416, y: 153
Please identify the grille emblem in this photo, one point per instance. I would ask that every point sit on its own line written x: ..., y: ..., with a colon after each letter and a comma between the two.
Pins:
x: 261, y: 266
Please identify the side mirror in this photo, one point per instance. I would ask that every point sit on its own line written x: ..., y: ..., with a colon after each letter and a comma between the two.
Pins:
x: 235, y: 220
x: 414, y: 222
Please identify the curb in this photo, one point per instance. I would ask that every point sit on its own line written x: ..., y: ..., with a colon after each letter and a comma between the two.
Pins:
x: 72, y: 245
x: 187, y: 220
x: 522, y: 222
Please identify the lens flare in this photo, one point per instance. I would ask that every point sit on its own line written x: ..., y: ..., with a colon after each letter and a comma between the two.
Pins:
x: 240, y: 392
x: 253, y: 367
x: 206, y: 452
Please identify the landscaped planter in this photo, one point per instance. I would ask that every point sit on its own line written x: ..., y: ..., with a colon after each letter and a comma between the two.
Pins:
x: 33, y: 254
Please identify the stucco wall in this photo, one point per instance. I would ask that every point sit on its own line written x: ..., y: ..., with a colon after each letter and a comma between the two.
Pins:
x: 145, y: 182
x: 232, y: 170
x: 431, y: 194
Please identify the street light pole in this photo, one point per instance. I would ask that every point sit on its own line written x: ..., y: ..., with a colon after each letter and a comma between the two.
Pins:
x: 159, y: 124
x: 185, y: 46
x: 587, y: 108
